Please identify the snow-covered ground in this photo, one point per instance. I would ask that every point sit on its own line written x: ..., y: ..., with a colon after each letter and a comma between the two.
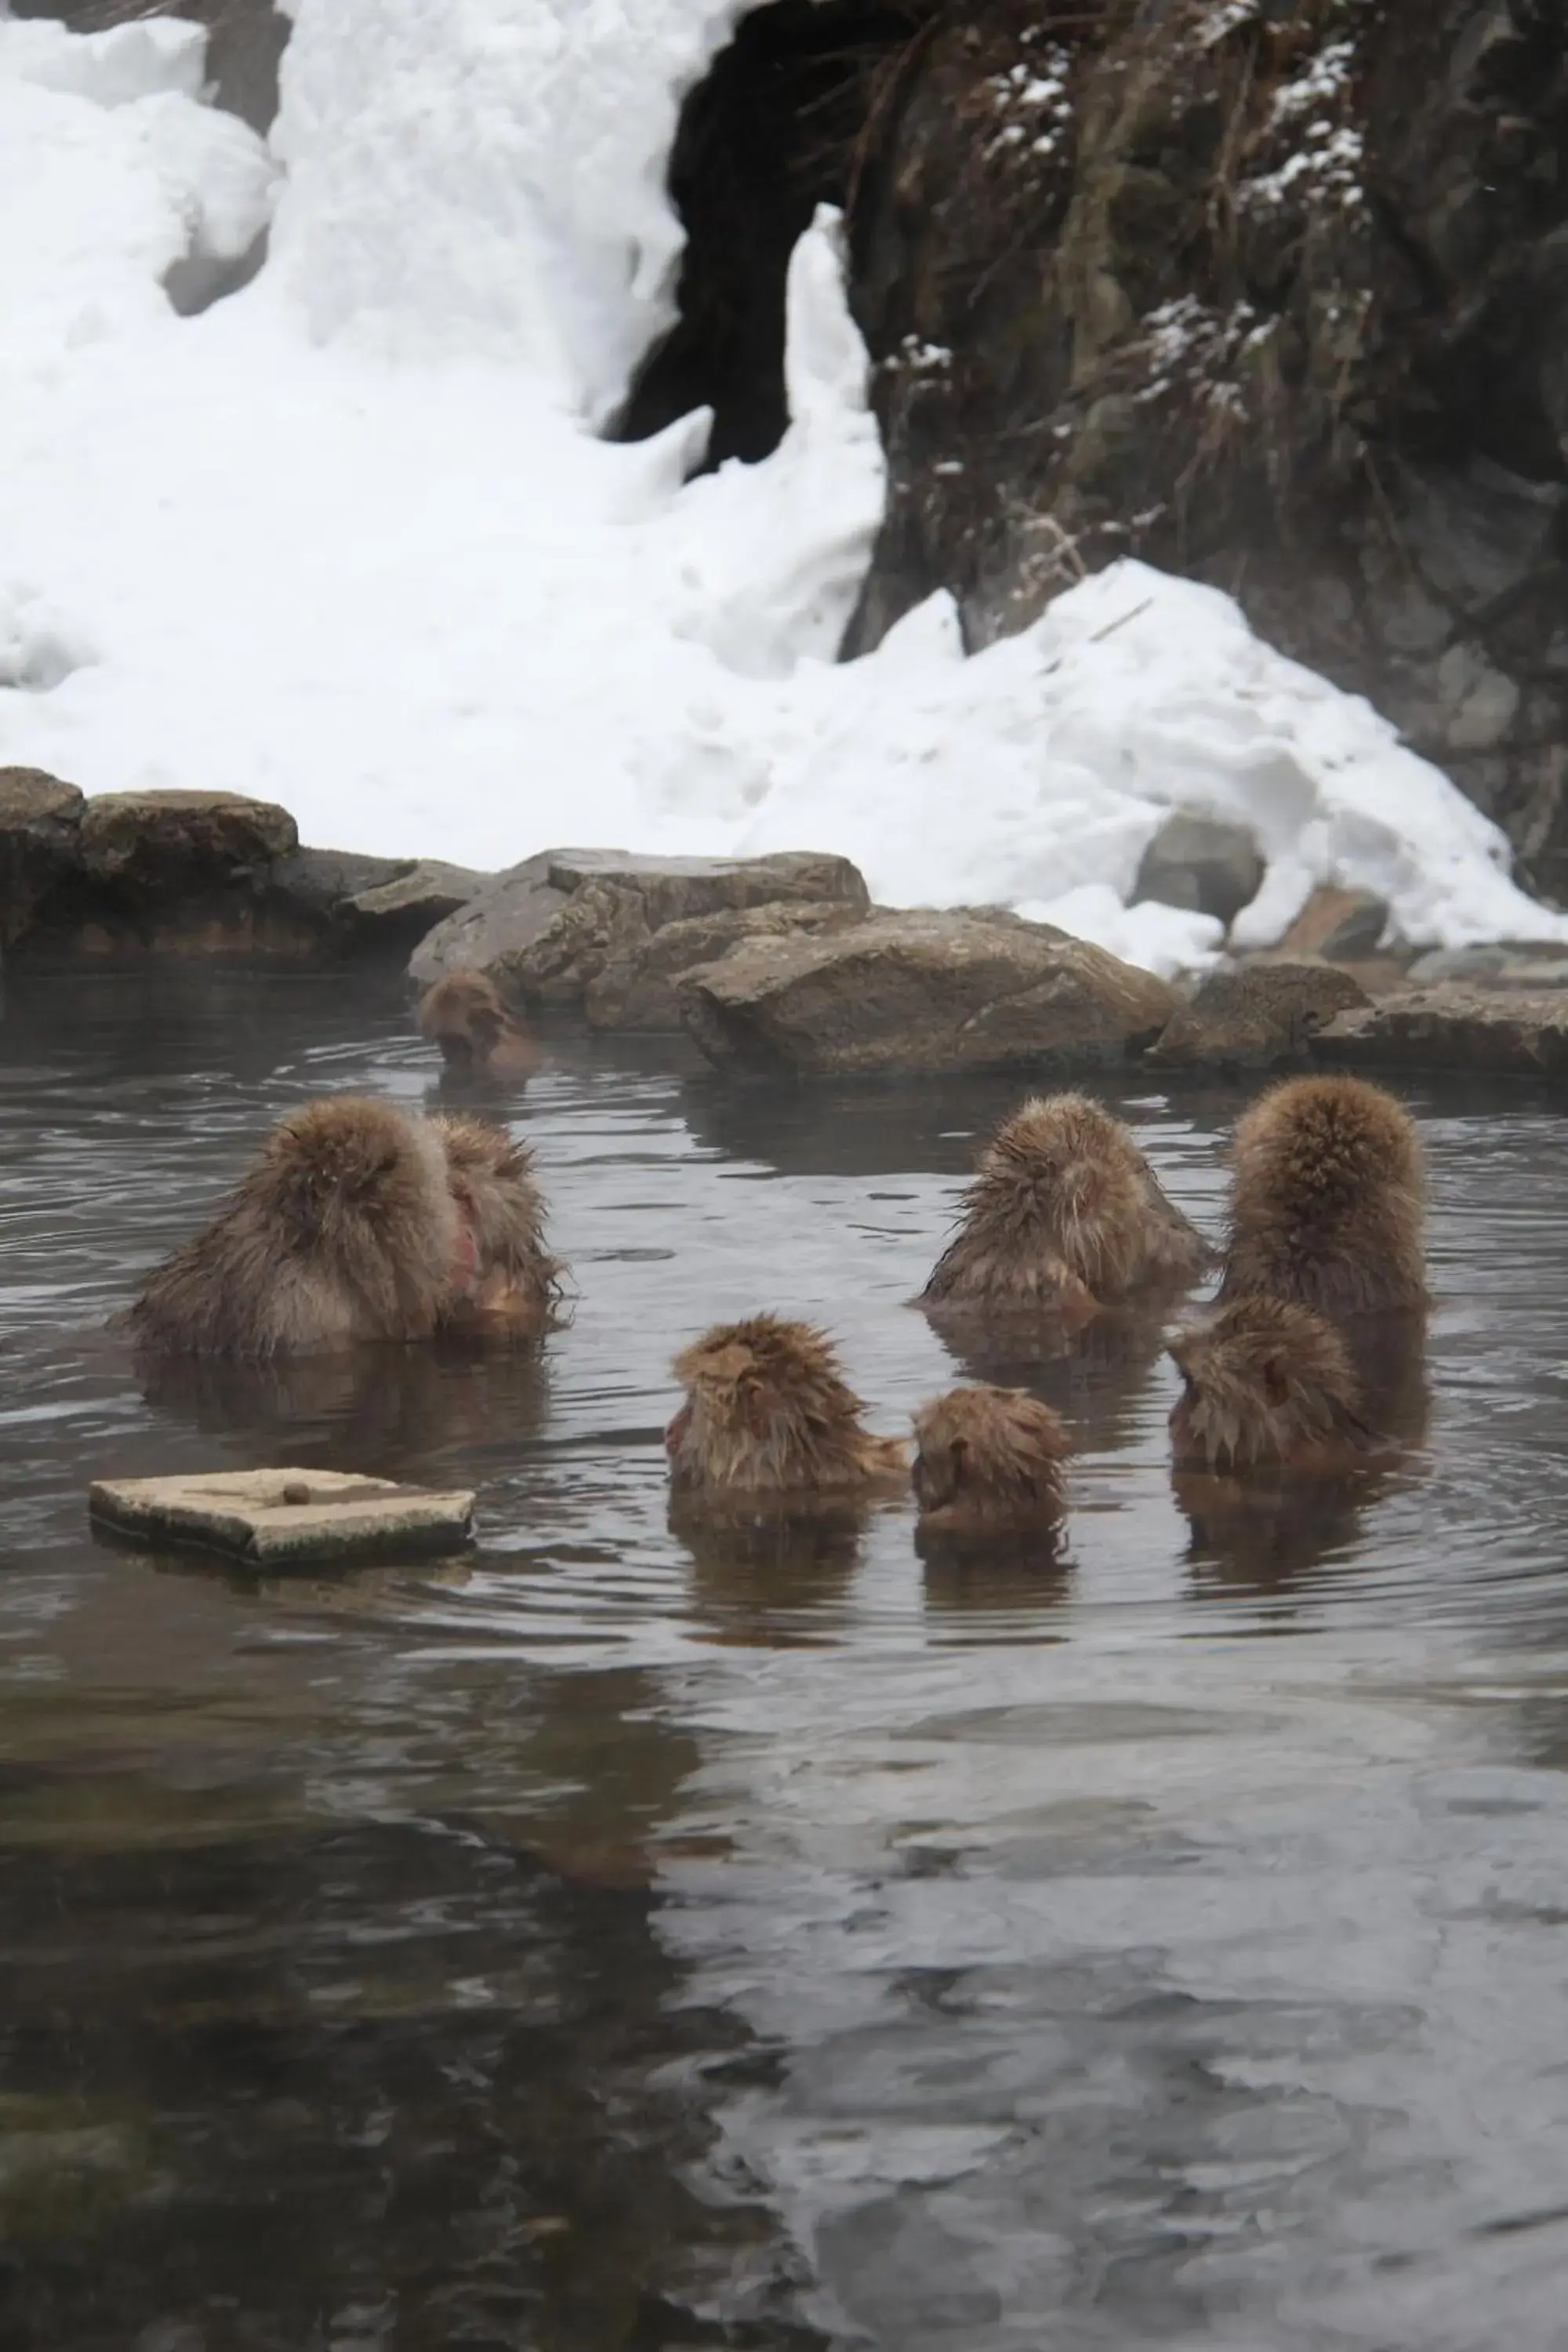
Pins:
x: 349, y: 541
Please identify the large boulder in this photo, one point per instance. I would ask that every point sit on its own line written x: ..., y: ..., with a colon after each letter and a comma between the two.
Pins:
x: 925, y: 993
x: 1485, y: 1031
x: 165, y: 845
x: 1202, y: 864
x: 639, y: 987
x: 41, y: 829
x: 1256, y: 1018
x: 547, y: 929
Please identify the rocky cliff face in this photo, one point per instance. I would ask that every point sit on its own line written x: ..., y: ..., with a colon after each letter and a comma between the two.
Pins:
x: 1272, y: 292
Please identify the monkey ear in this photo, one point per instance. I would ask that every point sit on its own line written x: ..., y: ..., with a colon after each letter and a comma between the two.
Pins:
x: 959, y: 1449
x: 1276, y: 1386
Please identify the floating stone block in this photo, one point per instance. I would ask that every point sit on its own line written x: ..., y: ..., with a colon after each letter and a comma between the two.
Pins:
x: 285, y: 1519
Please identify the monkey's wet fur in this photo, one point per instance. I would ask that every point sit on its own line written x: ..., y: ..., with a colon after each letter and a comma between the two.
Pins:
x: 768, y: 1412
x: 1065, y: 1213
x: 1266, y: 1383
x: 357, y: 1222
x: 465, y: 1014
x: 988, y: 1458
x: 1327, y: 1203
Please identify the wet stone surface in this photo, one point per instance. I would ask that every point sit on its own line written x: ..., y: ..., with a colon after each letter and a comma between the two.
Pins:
x: 621, y: 1939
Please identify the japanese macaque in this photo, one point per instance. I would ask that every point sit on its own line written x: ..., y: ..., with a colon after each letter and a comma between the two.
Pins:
x: 507, y: 1280
x: 1064, y: 1215
x: 357, y: 1222
x: 768, y: 1413
x: 1326, y: 1204
x: 466, y: 1016
x: 345, y: 1229
x: 988, y: 1459
x: 1266, y: 1383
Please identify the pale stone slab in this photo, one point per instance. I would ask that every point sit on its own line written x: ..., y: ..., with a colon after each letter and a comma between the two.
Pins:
x: 285, y: 1519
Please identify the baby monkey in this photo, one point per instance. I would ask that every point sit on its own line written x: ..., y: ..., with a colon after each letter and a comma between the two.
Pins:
x: 988, y: 1460
x: 1065, y: 1214
x: 465, y: 1014
x: 1326, y: 1204
x: 1268, y: 1384
x: 506, y: 1280
x: 768, y: 1411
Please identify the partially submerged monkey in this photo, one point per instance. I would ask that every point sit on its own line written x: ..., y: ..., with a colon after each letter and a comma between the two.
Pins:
x: 1065, y: 1214
x: 345, y: 1229
x: 1326, y: 1204
x: 357, y: 1222
x: 507, y: 1278
x: 1266, y: 1383
x: 768, y: 1412
x: 465, y: 1014
x: 987, y: 1459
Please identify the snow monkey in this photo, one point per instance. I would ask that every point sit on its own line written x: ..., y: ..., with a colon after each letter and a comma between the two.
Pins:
x: 464, y: 1013
x: 354, y: 1224
x: 1064, y: 1213
x: 988, y: 1459
x: 1327, y: 1203
x: 1266, y: 1383
x: 511, y: 1281
x: 768, y: 1411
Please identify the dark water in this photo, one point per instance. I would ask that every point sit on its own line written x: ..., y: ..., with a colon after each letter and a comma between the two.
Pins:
x: 603, y: 1944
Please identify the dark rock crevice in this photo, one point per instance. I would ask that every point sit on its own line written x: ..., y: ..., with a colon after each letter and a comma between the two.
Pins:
x: 773, y: 129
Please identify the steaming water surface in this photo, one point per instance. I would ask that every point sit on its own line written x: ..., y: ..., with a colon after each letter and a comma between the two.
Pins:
x: 602, y: 1943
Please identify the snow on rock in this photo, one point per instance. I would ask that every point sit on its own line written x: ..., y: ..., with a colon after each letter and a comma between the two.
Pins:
x: 764, y: 563
x: 487, y: 177
x: 108, y: 172
x: 348, y: 539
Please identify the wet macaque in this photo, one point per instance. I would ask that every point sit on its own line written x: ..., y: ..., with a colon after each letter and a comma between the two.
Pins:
x: 1327, y: 1203
x: 346, y: 1228
x: 988, y: 1458
x: 768, y: 1411
x: 466, y: 1016
x: 506, y: 1278
x: 1266, y: 1383
x: 1065, y: 1214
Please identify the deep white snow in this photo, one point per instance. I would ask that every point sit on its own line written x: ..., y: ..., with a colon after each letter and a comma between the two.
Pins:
x: 349, y: 541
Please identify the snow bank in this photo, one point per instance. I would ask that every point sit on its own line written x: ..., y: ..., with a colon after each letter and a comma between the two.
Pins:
x: 348, y: 541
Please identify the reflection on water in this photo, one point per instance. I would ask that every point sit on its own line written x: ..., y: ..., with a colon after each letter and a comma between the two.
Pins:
x: 654, y: 1933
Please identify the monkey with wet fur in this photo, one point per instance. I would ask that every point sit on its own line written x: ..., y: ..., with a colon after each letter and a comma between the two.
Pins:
x: 508, y: 1283
x: 1065, y: 1214
x: 988, y: 1459
x: 465, y: 1014
x: 1327, y: 1203
x: 346, y: 1228
x: 768, y: 1411
x: 1266, y: 1383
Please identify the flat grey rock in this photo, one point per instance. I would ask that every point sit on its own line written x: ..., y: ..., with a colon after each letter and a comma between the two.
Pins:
x: 546, y: 930
x: 285, y: 1519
